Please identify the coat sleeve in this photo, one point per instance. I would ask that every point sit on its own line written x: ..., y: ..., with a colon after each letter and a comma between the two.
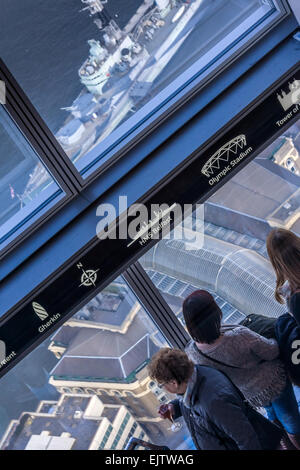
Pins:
x: 288, y: 334
x: 177, y: 408
x: 228, y: 416
x: 262, y: 347
x: 295, y: 306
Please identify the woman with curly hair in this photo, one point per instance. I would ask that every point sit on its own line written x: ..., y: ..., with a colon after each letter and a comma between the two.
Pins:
x: 213, y: 409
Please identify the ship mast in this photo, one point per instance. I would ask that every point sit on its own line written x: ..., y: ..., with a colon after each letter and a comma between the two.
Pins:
x: 95, y: 6
x: 96, y: 9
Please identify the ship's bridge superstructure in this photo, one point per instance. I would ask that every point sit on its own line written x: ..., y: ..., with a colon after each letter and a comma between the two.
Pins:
x: 101, y: 64
x: 113, y: 54
x: 118, y: 51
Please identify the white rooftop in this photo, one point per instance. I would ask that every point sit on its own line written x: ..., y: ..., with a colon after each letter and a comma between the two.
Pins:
x: 46, y: 442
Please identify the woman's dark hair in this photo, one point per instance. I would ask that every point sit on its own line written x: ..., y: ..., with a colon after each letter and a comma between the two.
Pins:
x: 202, y: 316
x: 283, y: 249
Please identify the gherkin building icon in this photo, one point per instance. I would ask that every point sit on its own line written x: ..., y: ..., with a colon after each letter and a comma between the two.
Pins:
x: 39, y: 311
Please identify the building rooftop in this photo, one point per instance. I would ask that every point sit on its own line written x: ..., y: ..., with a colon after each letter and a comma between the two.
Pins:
x: 261, y: 195
x: 64, y: 425
x: 61, y: 420
x: 106, y: 355
x: 175, y: 291
x: 240, y: 276
x: 107, y: 308
x: 256, y: 191
x: 47, y: 442
x: 269, y: 151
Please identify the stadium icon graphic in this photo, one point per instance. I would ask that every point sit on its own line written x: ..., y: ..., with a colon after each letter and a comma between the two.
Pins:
x: 223, y: 155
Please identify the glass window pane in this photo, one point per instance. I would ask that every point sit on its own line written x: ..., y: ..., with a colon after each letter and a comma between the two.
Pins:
x: 95, y: 69
x: 230, y: 260
x: 26, y: 187
x: 87, y: 386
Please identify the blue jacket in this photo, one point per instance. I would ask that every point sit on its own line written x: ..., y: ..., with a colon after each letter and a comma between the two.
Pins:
x: 219, y: 419
x: 287, y: 332
x: 294, y: 306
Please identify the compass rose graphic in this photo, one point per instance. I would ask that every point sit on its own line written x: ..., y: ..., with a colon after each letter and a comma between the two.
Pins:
x: 88, y: 277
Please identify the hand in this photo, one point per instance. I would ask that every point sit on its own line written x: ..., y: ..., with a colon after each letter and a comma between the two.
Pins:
x: 166, y: 411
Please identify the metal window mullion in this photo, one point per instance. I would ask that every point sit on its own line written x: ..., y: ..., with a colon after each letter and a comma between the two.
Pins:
x: 295, y: 6
x: 38, y: 134
x: 19, y: 115
x: 42, y: 151
x: 156, y: 306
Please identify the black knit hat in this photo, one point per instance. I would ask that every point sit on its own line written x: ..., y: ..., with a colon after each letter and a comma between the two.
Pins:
x: 202, y: 316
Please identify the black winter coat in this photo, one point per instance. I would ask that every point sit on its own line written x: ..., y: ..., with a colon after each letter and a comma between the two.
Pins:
x: 294, y: 306
x: 219, y: 418
x: 288, y: 337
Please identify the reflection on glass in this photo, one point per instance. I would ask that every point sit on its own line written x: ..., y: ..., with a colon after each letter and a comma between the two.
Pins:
x: 105, y: 60
x: 88, y: 386
x: 25, y: 184
x: 232, y: 261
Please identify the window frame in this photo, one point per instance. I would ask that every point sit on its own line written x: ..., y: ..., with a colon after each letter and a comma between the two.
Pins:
x: 154, y: 303
x: 19, y: 115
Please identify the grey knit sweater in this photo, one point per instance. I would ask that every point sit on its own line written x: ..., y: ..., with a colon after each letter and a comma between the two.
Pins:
x: 260, y: 374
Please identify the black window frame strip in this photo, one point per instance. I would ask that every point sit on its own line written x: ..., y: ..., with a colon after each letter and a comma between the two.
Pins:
x: 153, y: 301
x: 20, y: 118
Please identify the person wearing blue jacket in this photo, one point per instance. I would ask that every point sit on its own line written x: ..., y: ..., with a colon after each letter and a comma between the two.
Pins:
x: 283, y: 248
x: 288, y: 337
x: 212, y: 407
